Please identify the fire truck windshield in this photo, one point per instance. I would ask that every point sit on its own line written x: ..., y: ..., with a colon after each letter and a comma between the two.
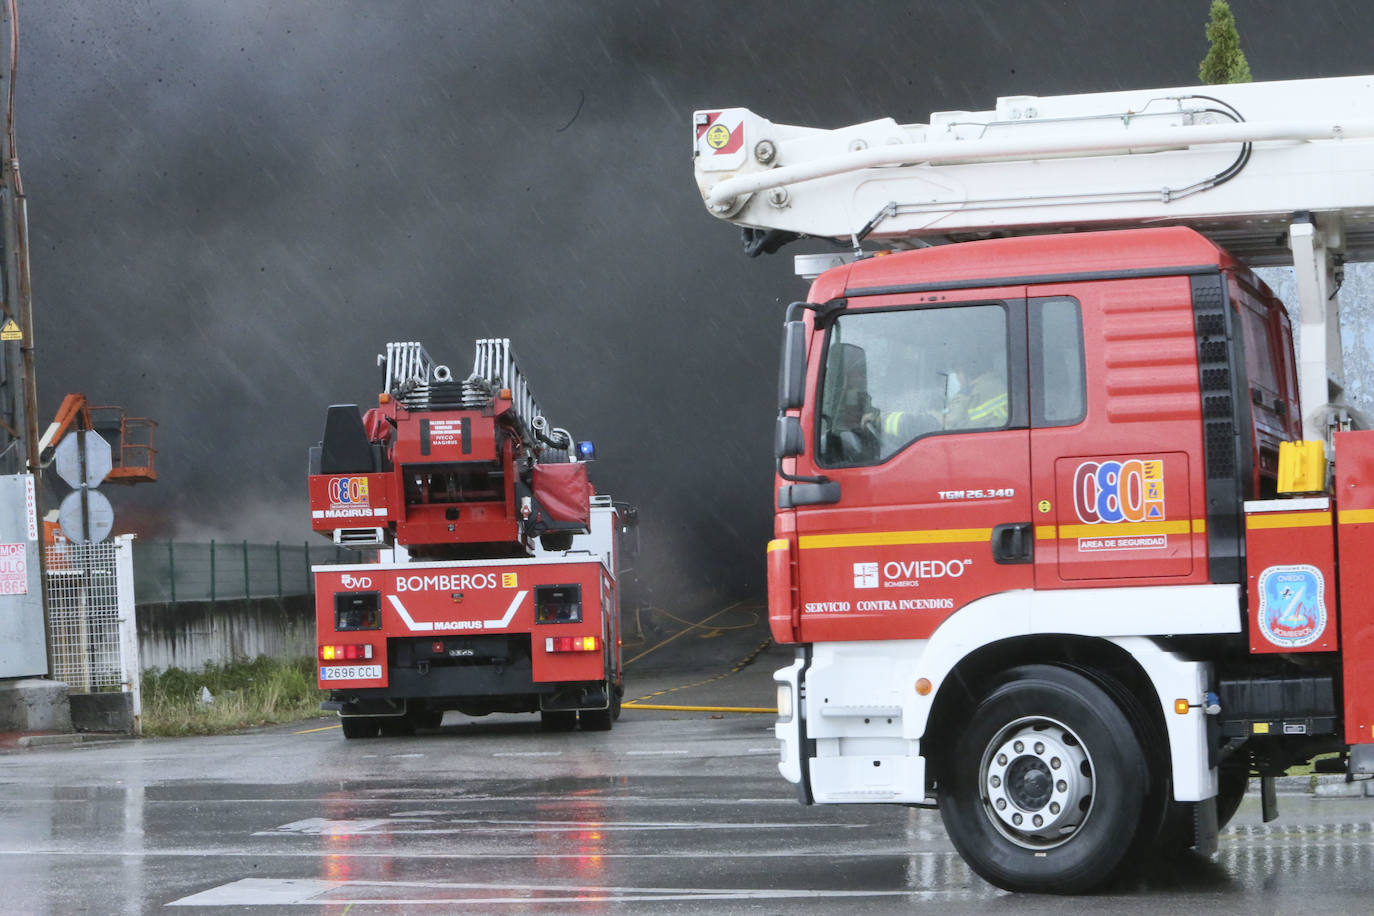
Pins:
x: 893, y: 376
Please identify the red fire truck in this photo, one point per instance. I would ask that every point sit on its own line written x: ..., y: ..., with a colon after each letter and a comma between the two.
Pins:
x: 499, y: 591
x: 1069, y: 543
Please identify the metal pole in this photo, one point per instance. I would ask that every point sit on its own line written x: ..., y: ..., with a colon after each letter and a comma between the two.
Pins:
x: 309, y: 579
x: 278, y: 569
x: 247, y: 590
x: 212, y: 571
x: 172, y: 570
x: 84, y: 490
x: 18, y: 298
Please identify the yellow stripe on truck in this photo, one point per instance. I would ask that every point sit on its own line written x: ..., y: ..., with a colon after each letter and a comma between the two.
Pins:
x: 890, y: 538
x: 1125, y: 529
x: 1289, y: 520
x: 978, y: 535
x: 777, y: 544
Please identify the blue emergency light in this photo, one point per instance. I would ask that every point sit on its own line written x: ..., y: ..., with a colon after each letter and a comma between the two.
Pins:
x: 586, y: 451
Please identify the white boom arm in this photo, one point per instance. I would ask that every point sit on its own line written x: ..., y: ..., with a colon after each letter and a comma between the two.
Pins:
x: 1276, y: 173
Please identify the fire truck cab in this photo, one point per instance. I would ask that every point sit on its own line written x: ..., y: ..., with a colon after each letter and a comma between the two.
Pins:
x: 1057, y: 506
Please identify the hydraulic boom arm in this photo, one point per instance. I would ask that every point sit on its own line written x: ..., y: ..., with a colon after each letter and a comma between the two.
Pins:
x: 1277, y: 173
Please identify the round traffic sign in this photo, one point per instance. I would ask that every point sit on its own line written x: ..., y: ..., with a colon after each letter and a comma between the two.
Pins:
x: 99, y: 519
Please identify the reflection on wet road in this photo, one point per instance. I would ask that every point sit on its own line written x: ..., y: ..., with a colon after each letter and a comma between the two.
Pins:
x: 669, y: 812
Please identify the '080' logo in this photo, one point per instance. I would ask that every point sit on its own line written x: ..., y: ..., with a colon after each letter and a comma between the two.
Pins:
x: 1119, y: 491
x: 348, y: 491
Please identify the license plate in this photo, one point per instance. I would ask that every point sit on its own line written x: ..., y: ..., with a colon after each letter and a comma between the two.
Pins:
x: 350, y: 672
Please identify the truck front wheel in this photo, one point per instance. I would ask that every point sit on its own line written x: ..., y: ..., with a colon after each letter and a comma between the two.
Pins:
x: 1045, y: 789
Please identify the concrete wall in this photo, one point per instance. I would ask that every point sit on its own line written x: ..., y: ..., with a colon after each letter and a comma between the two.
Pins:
x: 190, y: 634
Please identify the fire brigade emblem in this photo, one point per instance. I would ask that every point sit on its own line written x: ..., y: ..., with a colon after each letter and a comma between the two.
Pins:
x: 1292, y: 611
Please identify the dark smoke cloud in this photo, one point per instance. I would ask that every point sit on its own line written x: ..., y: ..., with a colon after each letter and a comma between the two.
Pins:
x: 236, y: 204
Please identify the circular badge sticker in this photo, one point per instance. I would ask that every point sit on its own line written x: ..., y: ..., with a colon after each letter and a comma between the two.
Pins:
x: 1292, y: 611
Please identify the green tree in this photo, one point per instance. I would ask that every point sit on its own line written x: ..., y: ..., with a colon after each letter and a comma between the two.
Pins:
x: 1225, y: 61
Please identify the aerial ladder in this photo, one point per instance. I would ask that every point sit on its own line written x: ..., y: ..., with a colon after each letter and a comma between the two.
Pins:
x: 496, y: 581
x: 1078, y: 601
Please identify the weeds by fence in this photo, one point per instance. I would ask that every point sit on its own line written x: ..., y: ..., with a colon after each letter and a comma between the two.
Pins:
x: 238, y: 695
x: 172, y: 571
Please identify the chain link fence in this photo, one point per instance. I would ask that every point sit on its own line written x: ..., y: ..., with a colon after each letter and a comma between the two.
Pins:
x: 166, y: 572
x: 92, y: 630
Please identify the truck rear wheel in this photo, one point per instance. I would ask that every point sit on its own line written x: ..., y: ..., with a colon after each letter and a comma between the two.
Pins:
x: 558, y: 720
x: 359, y: 726
x: 1232, y: 784
x: 601, y: 720
x: 420, y: 717
x: 1044, y: 790
x: 396, y: 726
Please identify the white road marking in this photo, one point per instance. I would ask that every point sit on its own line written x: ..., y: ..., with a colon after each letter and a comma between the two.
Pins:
x: 319, y: 826
x: 382, y: 826
x: 316, y: 892
x: 528, y: 754
x: 671, y: 753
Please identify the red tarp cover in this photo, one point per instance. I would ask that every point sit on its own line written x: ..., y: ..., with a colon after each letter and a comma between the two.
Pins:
x: 374, y: 422
x: 564, y: 492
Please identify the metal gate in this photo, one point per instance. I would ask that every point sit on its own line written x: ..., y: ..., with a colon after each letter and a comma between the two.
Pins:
x: 91, y: 627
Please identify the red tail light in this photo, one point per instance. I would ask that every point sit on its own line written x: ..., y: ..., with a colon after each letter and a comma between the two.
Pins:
x: 345, y: 653
x: 571, y: 644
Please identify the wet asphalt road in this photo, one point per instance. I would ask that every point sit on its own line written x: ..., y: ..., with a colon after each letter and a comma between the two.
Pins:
x: 671, y: 812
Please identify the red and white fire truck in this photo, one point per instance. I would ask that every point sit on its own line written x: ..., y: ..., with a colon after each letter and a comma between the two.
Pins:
x: 1069, y: 543
x: 501, y: 590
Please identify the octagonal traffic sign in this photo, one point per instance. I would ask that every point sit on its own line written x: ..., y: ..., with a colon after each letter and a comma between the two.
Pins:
x: 68, y: 459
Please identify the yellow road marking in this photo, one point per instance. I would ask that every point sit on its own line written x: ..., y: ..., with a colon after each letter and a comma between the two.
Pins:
x: 759, y: 709
x: 680, y: 633
x: 321, y: 729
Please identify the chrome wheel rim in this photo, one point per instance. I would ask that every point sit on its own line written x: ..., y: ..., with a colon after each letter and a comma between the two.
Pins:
x: 1037, y: 782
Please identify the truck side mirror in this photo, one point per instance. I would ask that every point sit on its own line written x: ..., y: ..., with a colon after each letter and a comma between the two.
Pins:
x: 788, y: 441
x: 792, y: 370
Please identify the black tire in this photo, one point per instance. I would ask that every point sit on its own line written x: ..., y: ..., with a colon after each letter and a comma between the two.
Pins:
x: 556, y: 542
x: 557, y: 720
x: 421, y: 717
x: 1232, y: 784
x: 1179, y: 832
x: 601, y: 720
x: 358, y: 726
x: 617, y: 695
x: 596, y: 720
x: 396, y: 726
x: 1051, y: 744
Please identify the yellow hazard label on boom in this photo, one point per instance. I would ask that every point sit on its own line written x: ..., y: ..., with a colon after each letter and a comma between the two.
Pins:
x: 11, y: 331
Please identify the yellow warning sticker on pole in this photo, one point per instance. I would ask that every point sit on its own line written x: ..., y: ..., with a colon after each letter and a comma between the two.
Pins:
x: 11, y: 331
